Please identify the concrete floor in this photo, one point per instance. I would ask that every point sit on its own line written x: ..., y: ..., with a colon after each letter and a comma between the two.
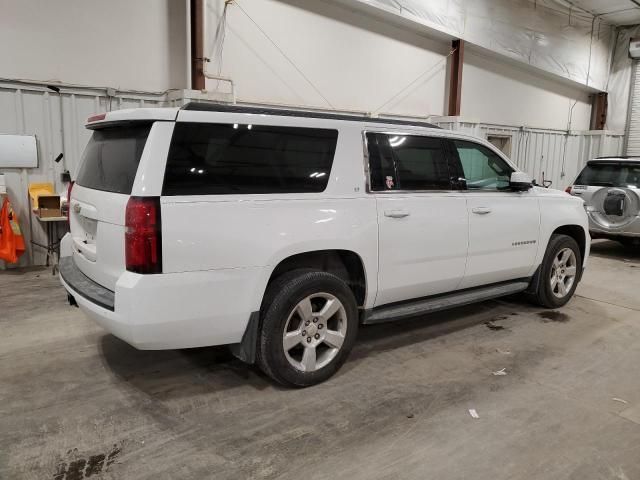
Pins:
x: 76, y: 402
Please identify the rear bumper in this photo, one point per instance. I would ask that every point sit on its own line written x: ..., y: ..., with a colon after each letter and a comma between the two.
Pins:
x: 168, y: 311
x: 631, y: 229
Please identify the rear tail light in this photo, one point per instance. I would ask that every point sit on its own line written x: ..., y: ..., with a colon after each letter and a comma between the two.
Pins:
x: 568, y: 189
x: 96, y: 118
x: 69, y: 202
x: 143, y: 238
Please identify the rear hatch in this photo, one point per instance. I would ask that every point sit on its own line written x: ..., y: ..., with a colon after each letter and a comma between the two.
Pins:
x: 610, y: 190
x: 99, y: 199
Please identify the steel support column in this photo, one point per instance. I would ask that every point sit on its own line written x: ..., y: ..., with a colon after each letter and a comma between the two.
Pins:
x: 455, y: 77
x: 599, y: 111
x: 197, y: 44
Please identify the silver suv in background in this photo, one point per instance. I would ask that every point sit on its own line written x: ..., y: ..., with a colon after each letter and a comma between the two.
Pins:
x: 610, y: 188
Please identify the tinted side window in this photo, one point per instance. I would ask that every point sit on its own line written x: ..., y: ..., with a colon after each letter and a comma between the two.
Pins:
x: 407, y: 162
x: 381, y: 166
x: 483, y: 168
x: 221, y: 159
x: 110, y: 159
x: 420, y: 162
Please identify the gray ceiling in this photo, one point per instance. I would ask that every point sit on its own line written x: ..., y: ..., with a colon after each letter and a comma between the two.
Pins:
x: 615, y: 12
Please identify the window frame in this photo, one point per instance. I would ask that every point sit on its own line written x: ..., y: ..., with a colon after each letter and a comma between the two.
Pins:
x: 455, y: 158
x: 453, y: 169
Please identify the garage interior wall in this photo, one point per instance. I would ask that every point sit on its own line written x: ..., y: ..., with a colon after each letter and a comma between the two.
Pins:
x: 126, y: 45
x: 356, y: 62
x: 326, y: 55
x: 361, y: 61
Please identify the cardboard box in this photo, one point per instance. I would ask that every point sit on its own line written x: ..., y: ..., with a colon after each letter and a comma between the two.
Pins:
x: 49, y: 206
x: 37, y: 189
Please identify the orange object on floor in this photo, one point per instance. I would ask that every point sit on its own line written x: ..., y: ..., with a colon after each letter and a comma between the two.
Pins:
x: 11, y: 239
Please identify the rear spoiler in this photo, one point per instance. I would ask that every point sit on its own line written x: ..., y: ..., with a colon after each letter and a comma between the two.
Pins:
x: 123, y: 117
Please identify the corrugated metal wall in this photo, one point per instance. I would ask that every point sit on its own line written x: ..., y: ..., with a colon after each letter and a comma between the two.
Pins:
x: 632, y: 146
x: 550, y: 154
x: 36, y: 110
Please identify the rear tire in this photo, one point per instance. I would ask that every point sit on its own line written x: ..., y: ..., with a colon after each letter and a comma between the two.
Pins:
x: 309, y: 322
x: 559, y: 272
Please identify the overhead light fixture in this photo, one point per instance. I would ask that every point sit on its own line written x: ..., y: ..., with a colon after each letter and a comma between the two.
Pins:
x: 249, y: 127
x: 235, y: 125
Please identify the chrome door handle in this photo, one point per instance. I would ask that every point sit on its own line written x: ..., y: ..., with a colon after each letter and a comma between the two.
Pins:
x: 396, y: 213
x: 481, y: 210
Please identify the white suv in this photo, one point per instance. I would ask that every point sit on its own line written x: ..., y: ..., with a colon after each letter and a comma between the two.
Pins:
x: 279, y: 232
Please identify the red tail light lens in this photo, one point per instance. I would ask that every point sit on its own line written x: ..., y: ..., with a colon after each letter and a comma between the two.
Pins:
x: 142, y: 238
x: 568, y: 189
x: 69, y: 202
x: 96, y: 118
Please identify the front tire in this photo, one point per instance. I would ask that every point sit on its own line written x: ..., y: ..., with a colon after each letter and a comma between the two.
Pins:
x: 309, y: 322
x: 559, y: 273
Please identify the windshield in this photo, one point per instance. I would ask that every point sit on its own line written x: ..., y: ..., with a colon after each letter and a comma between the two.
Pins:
x: 610, y: 174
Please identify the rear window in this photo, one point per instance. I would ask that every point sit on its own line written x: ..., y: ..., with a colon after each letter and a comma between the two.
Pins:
x: 222, y: 159
x: 111, y: 158
x: 610, y: 174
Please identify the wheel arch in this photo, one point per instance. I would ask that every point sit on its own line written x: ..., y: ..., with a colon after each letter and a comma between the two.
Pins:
x: 345, y: 264
x: 577, y: 233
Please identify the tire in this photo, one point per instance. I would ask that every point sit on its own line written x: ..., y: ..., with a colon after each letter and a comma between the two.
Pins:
x: 293, y: 305
x: 549, y: 293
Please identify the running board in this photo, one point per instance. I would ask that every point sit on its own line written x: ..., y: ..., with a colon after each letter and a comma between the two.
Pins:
x: 443, y: 302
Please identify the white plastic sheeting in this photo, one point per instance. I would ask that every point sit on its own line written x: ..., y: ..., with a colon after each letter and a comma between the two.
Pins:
x: 548, y: 34
x: 554, y: 155
x: 620, y: 79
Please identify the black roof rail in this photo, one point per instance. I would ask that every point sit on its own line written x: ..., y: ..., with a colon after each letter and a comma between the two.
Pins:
x: 621, y: 157
x: 228, y: 108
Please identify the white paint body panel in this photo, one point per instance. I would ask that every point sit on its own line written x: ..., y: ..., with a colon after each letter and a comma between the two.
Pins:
x: 425, y: 252
x: 503, y: 242
x: 219, y: 251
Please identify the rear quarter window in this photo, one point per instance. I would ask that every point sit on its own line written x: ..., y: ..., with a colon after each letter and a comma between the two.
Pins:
x: 110, y: 160
x: 223, y: 159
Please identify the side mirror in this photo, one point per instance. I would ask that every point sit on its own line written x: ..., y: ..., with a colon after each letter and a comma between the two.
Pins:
x: 520, y: 182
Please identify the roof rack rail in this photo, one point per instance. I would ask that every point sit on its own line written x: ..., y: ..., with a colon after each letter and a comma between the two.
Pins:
x: 228, y: 108
x: 620, y: 157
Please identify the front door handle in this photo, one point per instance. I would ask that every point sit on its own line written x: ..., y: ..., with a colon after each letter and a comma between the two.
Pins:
x: 396, y: 213
x: 481, y: 210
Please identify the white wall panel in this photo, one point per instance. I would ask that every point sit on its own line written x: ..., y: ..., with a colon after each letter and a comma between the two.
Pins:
x: 360, y: 61
x: 495, y: 91
x: 123, y: 44
x: 356, y: 61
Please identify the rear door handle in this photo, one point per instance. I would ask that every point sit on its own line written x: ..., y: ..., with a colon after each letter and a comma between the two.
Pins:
x: 396, y: 213
x: 481, y: 210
